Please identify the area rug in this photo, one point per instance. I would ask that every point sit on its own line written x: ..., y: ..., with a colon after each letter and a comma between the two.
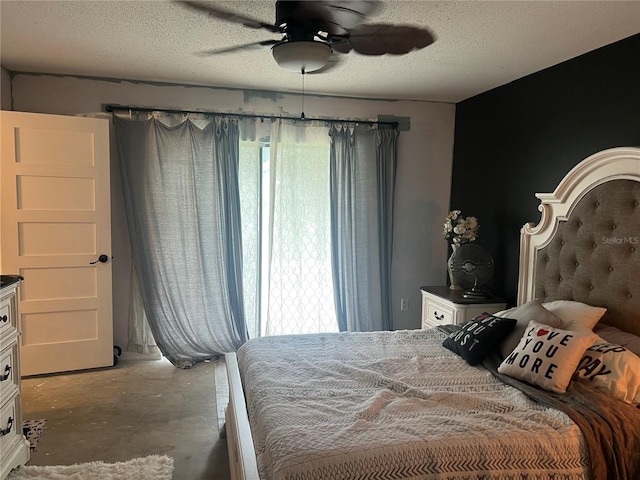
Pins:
x: 153, y: 467
x: 32, y: 429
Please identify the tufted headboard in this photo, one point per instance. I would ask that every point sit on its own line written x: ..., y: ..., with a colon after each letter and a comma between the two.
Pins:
x: 587, y: 244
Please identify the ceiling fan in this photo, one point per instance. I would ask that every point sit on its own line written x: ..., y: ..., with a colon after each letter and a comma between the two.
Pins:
x: 314, y: 32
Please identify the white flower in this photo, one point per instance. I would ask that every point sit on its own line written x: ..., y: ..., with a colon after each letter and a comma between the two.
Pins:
x: 453, y: 214
x: 458, y: 229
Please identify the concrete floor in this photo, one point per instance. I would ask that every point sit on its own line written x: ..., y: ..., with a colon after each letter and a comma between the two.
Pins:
x: 134, y: 409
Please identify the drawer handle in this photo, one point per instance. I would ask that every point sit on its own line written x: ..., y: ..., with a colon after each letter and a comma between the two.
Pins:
x: 438, y: 317
x: 8, y: 429
x: 7, y: 370
x: 4, y: 318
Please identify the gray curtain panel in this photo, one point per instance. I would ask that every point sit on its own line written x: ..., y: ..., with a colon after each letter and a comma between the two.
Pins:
x: 181, y: 194
x: 362, y: 170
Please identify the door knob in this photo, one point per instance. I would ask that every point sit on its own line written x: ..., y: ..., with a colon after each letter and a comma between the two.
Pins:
x: 102, y: 259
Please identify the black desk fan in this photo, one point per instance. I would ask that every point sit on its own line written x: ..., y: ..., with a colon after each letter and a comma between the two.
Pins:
x: 471, y: 266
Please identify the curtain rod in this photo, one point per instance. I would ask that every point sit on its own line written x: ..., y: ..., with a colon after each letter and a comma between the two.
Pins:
x: 113, y: 108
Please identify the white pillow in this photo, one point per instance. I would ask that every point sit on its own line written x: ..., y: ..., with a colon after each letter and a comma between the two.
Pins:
x: 505, y: 313
x: 547, y: 356
x: 532, y: 310
x: 612, y: 369
x: 575, y: 315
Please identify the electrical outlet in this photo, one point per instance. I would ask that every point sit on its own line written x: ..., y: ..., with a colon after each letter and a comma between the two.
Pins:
x: 404, y: 304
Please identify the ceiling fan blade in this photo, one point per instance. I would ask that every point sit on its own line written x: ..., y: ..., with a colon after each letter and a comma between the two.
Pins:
x: 380, y: 39
x: 303, y: 19
x: 350, y: 13
x: 227, y: 15
x: 235, y: 48
x: 334, y: 17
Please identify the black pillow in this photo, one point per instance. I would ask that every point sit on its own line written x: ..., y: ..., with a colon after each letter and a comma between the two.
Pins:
x: 479, y: 336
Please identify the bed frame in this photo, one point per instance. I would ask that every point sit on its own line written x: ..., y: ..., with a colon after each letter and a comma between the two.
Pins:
x: 587, y: 244
x: 586, y: 251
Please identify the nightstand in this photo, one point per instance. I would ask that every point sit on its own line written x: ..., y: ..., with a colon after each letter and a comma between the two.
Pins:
x: 442, y: 306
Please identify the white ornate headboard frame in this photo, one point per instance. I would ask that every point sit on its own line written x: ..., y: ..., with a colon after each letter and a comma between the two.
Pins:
x: 572, y: 247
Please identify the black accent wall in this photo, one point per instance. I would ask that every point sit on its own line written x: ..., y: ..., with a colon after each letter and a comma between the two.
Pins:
x: 523, y: 137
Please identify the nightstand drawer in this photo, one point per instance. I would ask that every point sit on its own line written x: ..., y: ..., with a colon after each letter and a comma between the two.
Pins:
x: 441, y: 306
x: 438, y: 315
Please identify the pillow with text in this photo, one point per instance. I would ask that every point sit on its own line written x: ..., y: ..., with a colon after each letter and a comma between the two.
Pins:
x: 612, y: 369
x: 479, y: 336
x: 547, y: 356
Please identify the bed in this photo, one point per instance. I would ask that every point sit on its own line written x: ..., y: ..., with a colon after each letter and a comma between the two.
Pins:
x: 401, y: 405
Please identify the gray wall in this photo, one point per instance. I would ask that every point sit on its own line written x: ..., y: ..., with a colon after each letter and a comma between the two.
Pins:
x: 425, y: 155
x: 5, y: 90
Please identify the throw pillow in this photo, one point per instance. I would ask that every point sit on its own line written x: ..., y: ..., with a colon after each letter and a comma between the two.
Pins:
x: 532, y: 310
x: 547, y: 356
x: 619, y: 337
x: 505, y: 313
x: 612, y: 369
x: 575, y: 315
x: 479, y: 336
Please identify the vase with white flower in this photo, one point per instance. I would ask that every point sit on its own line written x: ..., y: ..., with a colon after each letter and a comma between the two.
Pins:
x: 458, y: 230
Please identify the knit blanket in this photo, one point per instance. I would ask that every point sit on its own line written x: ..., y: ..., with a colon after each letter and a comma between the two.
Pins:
x: 611, y: 428
x: 396, y: 405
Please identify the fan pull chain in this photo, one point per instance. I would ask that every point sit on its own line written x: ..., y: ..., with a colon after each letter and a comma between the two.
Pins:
x: 302, y: 110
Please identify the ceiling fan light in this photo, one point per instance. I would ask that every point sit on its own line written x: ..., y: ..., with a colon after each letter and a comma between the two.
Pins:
x: 298, y: 56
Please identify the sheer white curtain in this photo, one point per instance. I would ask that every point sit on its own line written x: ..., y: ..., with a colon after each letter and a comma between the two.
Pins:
x: 254, y: 142
x: 300, y: 287
x: 317, y: 205
x: 140, y: 336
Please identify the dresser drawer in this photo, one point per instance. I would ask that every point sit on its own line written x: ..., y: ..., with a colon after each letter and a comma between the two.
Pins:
x: 8, y: 327
x: 9, y: 379
x: 10, y: 424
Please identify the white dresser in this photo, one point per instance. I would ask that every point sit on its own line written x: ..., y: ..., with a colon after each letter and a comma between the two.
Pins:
x: 443, y: 306
x: 13, y: 445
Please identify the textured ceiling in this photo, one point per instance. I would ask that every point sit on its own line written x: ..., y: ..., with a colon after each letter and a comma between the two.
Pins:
x: 480, y: 44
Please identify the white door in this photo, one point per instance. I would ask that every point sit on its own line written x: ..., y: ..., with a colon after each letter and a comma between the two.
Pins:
x: 55, y: 225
